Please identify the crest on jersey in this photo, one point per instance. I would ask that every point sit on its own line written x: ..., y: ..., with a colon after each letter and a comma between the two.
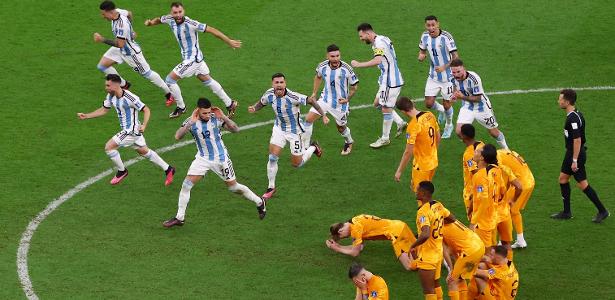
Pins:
x: 374, y: 294
x: 479, y: 189
x: 470, y: 163
x: 407, y: 135
x: 491, y: 272
x: 422, y: 219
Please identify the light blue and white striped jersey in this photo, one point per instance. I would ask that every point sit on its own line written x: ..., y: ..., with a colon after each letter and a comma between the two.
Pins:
x: 127, y: 107
x: 472, y: 86
x: 390, y: 75
x: 208, y: 139
x: 337, y: 83
x: 286, y: 109
x: 122, y: 29
x: 187, y: 35
x: 439, y: 49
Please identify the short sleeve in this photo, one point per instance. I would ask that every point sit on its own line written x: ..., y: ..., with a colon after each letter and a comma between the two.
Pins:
x: 122, y: 12
x: 299, y: 98
x: 422, y: 219
x: 166, y: 19
x: 352, y: 77
x: 575, y: 126
x: 356, y: 232
x: 477, y: 87
x: 137, y: 103
x: 198, y: 26
x: 412, y: 132
x: 266, y: 99
x: 107, y: 103
x: 450, y: 43
x: 186, y: 121
x: 122, y: 31
x: 319, y: 71
x: 423, y: 43
x: 445, y: 212
x: 496, y: 273
x: 379, y: 47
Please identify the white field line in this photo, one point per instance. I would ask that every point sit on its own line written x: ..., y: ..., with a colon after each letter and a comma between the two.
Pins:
x: 26, y: 237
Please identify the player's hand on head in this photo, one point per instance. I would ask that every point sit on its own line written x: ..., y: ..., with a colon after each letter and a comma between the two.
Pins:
x: 195, y: 115
x: 97, y: 37
x: 217, y: 112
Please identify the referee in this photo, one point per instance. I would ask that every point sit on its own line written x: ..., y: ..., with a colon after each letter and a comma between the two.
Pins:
x: 574, y: 161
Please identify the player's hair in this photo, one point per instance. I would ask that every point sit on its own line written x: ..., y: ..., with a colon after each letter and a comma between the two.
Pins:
x: 569, y: 95
x: 404, y: 104
x: 177, y: 4
x: 456, y: 63
x: 335, y: 231
x: 276, y: 75
x: 490, y: 154
x: 203, y: 103
x: 468, y: 130
x: 107, y: 5
x: 114, y: 78
x: 501, y: 250
x: 427, y: 186
x: 365, y: 27
x: 431, y: 18
x: 332, y: 47
x: 354, y: 270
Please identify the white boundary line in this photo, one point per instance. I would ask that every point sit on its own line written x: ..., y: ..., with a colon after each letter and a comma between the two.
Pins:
x: 26, y: 237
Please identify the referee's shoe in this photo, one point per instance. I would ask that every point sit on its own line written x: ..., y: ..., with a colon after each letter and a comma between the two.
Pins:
x: 601, y: 216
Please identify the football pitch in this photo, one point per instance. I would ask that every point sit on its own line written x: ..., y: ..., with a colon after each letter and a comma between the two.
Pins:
x: 108, y: 242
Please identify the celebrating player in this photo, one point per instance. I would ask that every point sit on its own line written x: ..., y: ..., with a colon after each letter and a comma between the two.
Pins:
x: 442, y: 50
x: 369, y: 286
x: 205, y: 125
x: 186, y: 30
x: 367, y: 227
x: 127, y: 105
x: 340, y: 85
x: 287, y: 127
x: 125, y: 49
x: 390, y: 80
x: 467, y: 133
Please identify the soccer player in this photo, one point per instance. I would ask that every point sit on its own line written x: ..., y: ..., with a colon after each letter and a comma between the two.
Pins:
x: 369, y: 286
x: 500, y: 280
x: 521, y: 170
x: 422, y: 140
x: 125, y: 49
x: 368, y: 227
x: 390, y: 80
x: 475, y: 104
x: 287, y: 127
x: 468, y: 133
x: 341, y: 83
x: 127, y: 105
x: 186, y: 30
x: 442, y: 50
x: 574, y: 159
x: 430, y: 218
x: 205, y: 125
x: 509, y: 190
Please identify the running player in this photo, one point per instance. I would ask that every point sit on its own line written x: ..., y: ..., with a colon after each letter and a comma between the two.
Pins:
x: 470, y: 167
x: 369, y: 286
x: 125, y: 49
x: 287, y: 127
x: 423, y: 138
x: 205, y: 125
x: 390, y: 80
x: 127, y: 105
x: 186, y: 30
x: 499, y: 279
x: 475, y: 104
x: 368, y: 227
x: 442, y: 50
x: 341, y: 83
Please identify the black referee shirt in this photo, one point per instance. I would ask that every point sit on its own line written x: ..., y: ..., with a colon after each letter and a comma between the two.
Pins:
x: 574, y: 128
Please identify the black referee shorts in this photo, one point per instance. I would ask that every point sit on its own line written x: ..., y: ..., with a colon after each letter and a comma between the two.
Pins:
x: 580, y: 174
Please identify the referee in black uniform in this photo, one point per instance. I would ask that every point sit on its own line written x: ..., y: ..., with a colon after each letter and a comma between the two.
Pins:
x: 574, y: 161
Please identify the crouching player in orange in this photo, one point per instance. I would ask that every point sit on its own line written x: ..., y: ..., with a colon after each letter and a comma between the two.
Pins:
x: 369, y: 286
x: 509, y: 191
x: 497, y: 278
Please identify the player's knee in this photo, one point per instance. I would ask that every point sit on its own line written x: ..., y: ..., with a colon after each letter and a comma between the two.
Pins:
x: 187, y: 184
x: 297, y: 164
x: 273, y: 158
x: 146, y: 74
x: 101, y: 67
x: 169, y: 80
x: 234, y: 188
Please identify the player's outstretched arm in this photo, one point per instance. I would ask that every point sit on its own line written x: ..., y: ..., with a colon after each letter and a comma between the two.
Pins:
x: 185, y: 128
x: 95, y: 114
x: 256, y: 107
x: 119, y: 43
x: 153, y: 22
x: 312, y: 101
x: 373, y: 62
x: 217, y: 33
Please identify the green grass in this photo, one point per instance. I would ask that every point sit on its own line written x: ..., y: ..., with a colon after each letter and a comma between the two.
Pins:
x: 107, y: 242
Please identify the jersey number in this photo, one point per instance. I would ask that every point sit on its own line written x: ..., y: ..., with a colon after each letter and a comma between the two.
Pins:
x: 436, y: 232
x: 432, y: 135
x: 297, y: 145
x: 205, y: 134
x: 434, y: 52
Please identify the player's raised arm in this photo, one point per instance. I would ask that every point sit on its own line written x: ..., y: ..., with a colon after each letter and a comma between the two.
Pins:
x: 185, y: 128
x: 95, y: 114
x: 153, y: 22
x: 316, y: 86
x: 256, y: 107
x: 228, y: 123
x: 117, y: 42
x: 217, y: 33
x: 373, y: 62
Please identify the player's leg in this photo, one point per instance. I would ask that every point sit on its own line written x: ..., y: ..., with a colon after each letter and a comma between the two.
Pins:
x: 515, y: 213
x: 150, y: 154
x: 226, y: 172
x: 308, y: 125
x: 180, y: 71
x: 299, y: 155
x: 276, y: 144
x: 401, y: 246
x: 428, y: 283
x: 504, y: 230
x: 487, y: 119
x: 446, y: 89
x: 208, y: 81
x: 465, y: 116
x: 387, y: 118
x: 197, y: 167
x: 341, y: 121
x: 393, y: 94
x: 140, y: 65
x: 111, y: 57
x: 111, y: 149
x: 432, y: 89
x: 580, y: 176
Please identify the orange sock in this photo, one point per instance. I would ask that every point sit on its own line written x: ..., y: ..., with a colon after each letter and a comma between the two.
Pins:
x: 517, y: 222
x: 439, y: 293
x: 453, y: 295
x: 463, y: 290
x: 431, y: 297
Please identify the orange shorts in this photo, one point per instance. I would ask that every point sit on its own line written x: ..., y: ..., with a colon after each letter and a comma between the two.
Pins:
x: 423, y: 265
x: 466, y: 264
x: 420, y: 175
x: 504, y: 230
x: 526, y: 193
x: 403, y: 241
x: 485, y: 236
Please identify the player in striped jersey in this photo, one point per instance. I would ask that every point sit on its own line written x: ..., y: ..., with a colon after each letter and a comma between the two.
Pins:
x: 186, y: 31
x: 475, y: 104
x: 442, y: 50
x: 125, y: 49
x: 205, y: 125
x: 390, y: 81
x: 127, y: 105
x: 287, y: 127
x: 340, y: 85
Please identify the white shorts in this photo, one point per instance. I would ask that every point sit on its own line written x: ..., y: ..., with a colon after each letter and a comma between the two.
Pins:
x: 136, y: 61
x: 341, y: 117
x: 433, y: 87
x: 387, y: 96
x: 127, y: 139
x: 279, y: 138
x: 189, y: 68
x: 201, y: 165
x: 485, y: 118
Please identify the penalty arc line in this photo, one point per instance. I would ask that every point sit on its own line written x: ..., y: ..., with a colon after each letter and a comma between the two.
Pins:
x: 26, y: 237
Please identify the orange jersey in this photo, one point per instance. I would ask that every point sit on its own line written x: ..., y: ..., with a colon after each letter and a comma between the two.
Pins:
x: 503, y: 207
x: 518, y: 165
x: 377, y: 289
x: 368, y: 227
x: 461, y: 239
x: 421, y: 133
x: 431, y: 214
x: 487, y: 190
x: 469, y: 167
x: 503, y: 281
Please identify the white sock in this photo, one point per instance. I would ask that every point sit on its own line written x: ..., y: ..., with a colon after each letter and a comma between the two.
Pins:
x: 219, y: 91
x: 272, y: 170
x: 157, y: 81
x: 243, y: 190
x: 175, y: 91
x: 114, y: 155
x: 307, y: 135
x: 387, y: 122
x: 111, y: 70
x: 437, y: 106
x: 449, y: 116
x: 520, y: 237
x: 184, y: 198
x: 306, y: 155
x: 397, y: 119
x: 347, y: 136
x: 156, y: 159
x: 448, y: 268
x: 502, y: 141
